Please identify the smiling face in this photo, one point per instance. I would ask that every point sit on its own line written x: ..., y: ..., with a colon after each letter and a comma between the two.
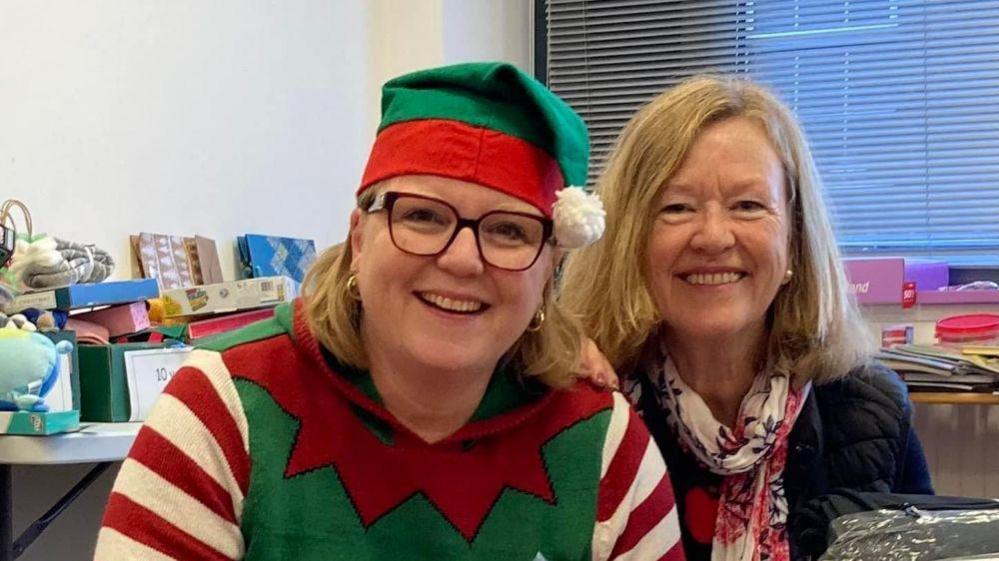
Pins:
x: 718, y: 249
x: 451, y: 311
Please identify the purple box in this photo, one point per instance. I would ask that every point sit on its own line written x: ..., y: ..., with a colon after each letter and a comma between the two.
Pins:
x: 879, y: 280
x: 958, y: 297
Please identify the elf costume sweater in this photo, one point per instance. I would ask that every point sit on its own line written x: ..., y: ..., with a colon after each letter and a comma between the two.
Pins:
x: 265, y: 448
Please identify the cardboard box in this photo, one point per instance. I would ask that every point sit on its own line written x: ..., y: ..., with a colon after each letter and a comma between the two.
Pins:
x: 105, y: 377
x: 269, y: 256
x: 223, y: 324
x: 87, y: 295
x: 880, y: 280
x: 29, y: 423
x: 120, y: 320
x: 229, y: 296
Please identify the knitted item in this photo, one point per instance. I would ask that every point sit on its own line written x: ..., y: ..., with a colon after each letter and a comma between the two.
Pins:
x: 94, y: 264
x: 6, y: 296
x: 47, y: 262
x: 263, y: 452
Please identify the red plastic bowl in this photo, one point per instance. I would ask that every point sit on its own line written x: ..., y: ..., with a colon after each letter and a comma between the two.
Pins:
x: 968, y: 328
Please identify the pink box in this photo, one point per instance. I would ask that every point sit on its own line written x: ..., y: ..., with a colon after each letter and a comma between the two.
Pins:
x: 120, y: 320
x: 879, y: 280
x: 222, y: 324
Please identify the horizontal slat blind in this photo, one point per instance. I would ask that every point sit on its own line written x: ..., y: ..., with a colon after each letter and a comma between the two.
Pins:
x: 900, y: 98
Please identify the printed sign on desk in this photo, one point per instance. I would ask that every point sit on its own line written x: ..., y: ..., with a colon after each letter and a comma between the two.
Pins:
x: 147, y: 373
x: 60, y: 397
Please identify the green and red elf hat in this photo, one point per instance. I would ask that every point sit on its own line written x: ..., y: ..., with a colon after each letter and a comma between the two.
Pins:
x: 493, y: 125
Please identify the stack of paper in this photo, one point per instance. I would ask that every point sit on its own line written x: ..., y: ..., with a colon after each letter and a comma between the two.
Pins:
x: 935, y: 369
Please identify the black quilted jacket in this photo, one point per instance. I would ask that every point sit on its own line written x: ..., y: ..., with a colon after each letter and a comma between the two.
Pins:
x: 852, y: 433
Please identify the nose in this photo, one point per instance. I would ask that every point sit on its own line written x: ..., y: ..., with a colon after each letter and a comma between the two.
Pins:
x: 714, y: 233
x: 462, y: 258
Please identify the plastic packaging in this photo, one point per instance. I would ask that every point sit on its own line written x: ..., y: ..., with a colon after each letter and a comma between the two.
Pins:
x: 894, y: 335
x: 915, y: 535
x: 970, y: 329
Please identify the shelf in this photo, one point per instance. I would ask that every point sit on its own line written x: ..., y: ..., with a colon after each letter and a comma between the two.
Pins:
x: 949, y: 398
x: 93, y: 443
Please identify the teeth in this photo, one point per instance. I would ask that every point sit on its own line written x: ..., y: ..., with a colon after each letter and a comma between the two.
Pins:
x: 453, y: 305
x: 713, y: 278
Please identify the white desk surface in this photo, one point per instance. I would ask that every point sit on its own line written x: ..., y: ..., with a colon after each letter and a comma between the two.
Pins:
x: 94, y: 442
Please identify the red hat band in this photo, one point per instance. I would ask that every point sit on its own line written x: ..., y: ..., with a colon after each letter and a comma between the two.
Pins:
x: 460, y: 151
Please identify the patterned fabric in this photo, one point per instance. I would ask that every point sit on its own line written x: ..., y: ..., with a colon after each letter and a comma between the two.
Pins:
x: 752, y: 509
x: 164, y: 258
x: 260, y: 451
x: 269, y: 256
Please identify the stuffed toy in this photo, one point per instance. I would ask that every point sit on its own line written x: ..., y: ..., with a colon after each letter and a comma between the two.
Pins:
x: 29, y: 367
x: 45, y: 320
x: 17, y: 321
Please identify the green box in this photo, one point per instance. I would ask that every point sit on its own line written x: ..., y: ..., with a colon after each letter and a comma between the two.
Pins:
x: 29, y: 423
x: 103, y: 385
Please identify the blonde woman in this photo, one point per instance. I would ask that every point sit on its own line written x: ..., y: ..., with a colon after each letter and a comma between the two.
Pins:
x: 419, y: 402
x: 723, y: 307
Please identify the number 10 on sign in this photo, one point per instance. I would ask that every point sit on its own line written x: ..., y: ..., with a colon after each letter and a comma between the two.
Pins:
x: 147, y: 373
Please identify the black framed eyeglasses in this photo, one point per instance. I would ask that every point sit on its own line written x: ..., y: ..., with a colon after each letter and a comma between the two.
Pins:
x: 421, y: 225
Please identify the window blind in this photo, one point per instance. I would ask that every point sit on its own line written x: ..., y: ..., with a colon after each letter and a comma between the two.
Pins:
x: 899, y: 98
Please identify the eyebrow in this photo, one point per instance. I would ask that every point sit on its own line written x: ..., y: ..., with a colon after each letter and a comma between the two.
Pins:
x: 522, y: 208
x: 744, y: 184
x: 529, y: 209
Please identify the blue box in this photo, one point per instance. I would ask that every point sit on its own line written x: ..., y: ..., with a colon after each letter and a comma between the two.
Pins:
x: 274, y: 256
x: 87, y: 295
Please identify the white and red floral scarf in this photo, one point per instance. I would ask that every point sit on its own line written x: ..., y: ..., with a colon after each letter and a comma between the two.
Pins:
x: 752, y: 509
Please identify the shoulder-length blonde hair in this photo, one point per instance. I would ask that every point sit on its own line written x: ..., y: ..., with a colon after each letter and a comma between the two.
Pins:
x: 551, y: 353
x: 815, y: 328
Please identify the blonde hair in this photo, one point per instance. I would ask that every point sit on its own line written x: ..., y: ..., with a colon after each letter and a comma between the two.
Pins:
x: 551, y: 353
x: 815, y: 328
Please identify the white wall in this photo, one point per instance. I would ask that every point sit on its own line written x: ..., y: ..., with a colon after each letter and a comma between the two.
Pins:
x: 184, y: 117
x: 216, y: 118
x: 483, y: 29
x: 412, y: 34
x: 404, y: 36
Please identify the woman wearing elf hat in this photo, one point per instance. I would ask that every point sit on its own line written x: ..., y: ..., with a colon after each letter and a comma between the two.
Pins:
x: 419, y: 402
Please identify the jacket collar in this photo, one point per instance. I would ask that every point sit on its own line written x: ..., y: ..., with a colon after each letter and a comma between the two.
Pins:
x: 804, y: 474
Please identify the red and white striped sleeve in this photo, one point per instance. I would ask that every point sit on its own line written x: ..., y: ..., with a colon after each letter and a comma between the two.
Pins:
x: 179, y: 494
x: 636, y: 513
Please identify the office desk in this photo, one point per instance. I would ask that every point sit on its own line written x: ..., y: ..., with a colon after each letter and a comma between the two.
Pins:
x: 100, y: 443
x: 954, y: 398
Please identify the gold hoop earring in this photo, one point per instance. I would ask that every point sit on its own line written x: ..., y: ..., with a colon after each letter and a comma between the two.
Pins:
x: 537, y: 321
x: 352, y: 290
x: 787, y: 276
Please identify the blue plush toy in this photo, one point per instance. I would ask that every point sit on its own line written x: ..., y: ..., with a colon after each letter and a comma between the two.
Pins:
x: 29, y: 367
